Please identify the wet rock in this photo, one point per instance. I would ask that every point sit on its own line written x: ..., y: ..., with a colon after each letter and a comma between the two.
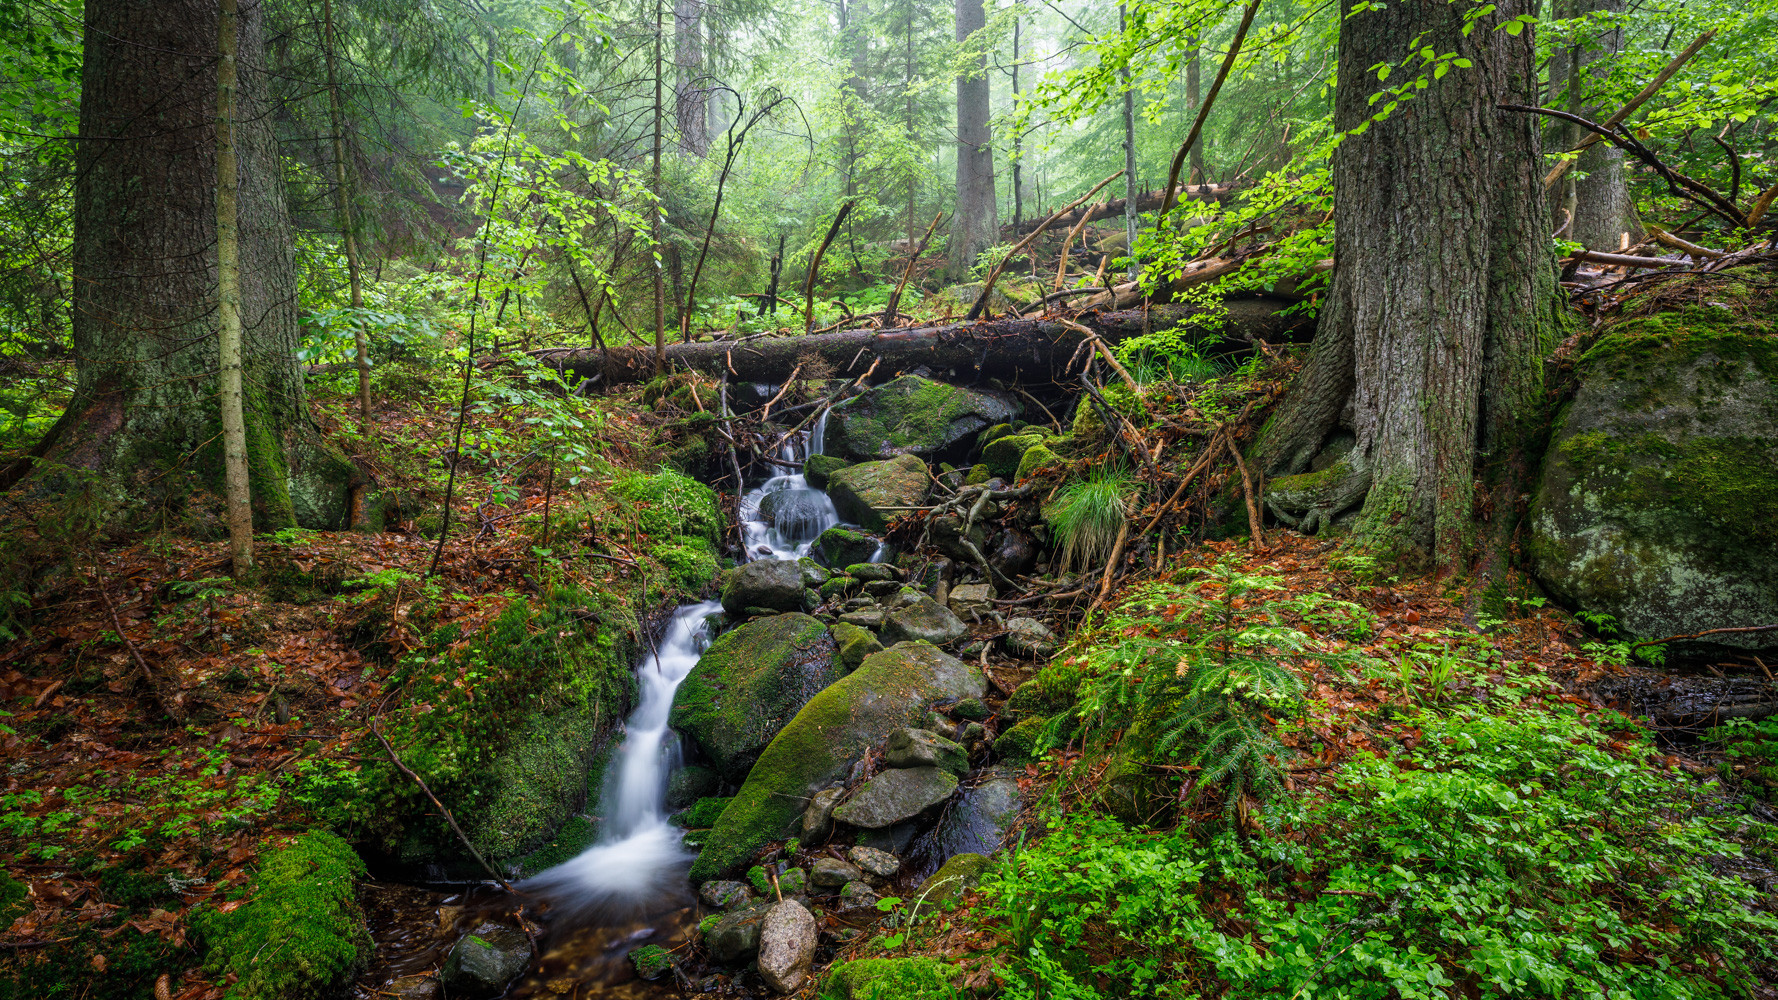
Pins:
x: 813, y: 573
x: 837, y: 727
x: 415, y: 988
x: 897, y: 795
x: 856, y: 898
x: 832, y: 873
x: 860, y: 603
x: 973, y: 733
x: 816, y: 469
x: 1014, y: 553
x: 748, y: 684
x: 485, y: 961
x: 882, y: 864
x: 969, y: 599
x: 846, y: 547
x: 651, y: 961
x: 978, y: 821
x: 1002, y: 456
x: 818, y: 817
x: 874, y: 571
x: 792, y: 881
x: 689, y: 784
x: 971, y: 709
x: 882, y: 588
x: 912, y: 415
x: 735, y: 938
x: 924, y: 620
x: 725, y: 895
x: 923, y: 748
x: 786, y: 946
x: 873, y: 493
x: 774, y: 584
x: 836, y: 586
x: 1029, y: 637
x: 798, y: 515
x: 960, y: 874
x: 948, y: 535
x: 890, y: 839
x: 855, y: 642
x: 865, y: 618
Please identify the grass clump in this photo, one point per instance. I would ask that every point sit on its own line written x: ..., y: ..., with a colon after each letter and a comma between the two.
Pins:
x: 301, y: 934
x: 1086, y: 515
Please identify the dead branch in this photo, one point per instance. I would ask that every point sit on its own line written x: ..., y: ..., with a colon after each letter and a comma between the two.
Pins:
x: 441, y: 808
x: 815, y: 266
x: 1255, y: 524
x: 1708, y: 631
x: 981, y: 301
x: 1191, y: 137
x: 168, y: 705
x: 1629, y: 109
x: 908, y: 272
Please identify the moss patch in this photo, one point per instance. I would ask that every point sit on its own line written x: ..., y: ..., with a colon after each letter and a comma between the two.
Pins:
x: 670, y: 503
x: 889, y: 979
x: 690, y: 562
x: 914, y: 415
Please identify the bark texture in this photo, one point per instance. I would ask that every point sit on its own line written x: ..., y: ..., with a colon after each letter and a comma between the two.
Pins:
x: 1593, y: 193
x: 975, y: 226
x: 144, y: 416
x: 1427, y: 363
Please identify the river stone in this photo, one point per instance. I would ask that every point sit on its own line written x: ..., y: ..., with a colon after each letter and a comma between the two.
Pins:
x: 872, y: 494
x: 748, y: 684
x: 959, y: 874
x: 786, y: 946
x: 773, y: 584
x: 912, y: 415
x: 882, y: 588
x: 1002, y: 456
x: 873, y: 571
x: 866, y: 618
x: 725, y: 895
x: 882, y: 864
x: 909, y: 747
x: 838, y: 726
x: 797, y: 514
x: 792, y: 881
x: 924, y: 620
x: 1660, y: 485
x: 971, y: 599
x: 422, y: 987
x: 855, y: 641
x: 857, y: 897
x: 818, y: 817
x: 896, y: 795
x: 735, y: 937
x: 846, y: 547
x: 832, y: 873
x: 816, y: 469
x: 1014, y: 553
x: 890, y: 839
x: 977, y: 822
x: 485, y: 961
x: 1029, y: 637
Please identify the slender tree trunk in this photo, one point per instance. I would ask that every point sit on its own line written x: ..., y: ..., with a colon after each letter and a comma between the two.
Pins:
x: 975, y: 226
x: 145, y: 415
x: 1130, y: 213
x: 660, y: 306
x: 343, y: 209
x: 1594, y: 198
x: 691, y: 99
x: 1018, y: 168
x: 228, y: 300
x: 1194, y: 95
x: 1444, y: 298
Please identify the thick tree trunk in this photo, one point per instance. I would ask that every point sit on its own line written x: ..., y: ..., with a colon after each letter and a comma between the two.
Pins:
x: 144, y: 415
x: 691, y: 95
x: 975, y: 226
x: 1443, y: 299
x: 1594, y: 193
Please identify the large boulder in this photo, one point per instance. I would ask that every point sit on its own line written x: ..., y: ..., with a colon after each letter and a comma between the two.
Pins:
x: 1661, y: 479
x: 748, y: 684
x: 871, y: 493
x: 924, y: 620
x: 896, y: 795
x: 911, y: 415
x: 909, y: 747
x: 889, y: 690
x: 764, y: 585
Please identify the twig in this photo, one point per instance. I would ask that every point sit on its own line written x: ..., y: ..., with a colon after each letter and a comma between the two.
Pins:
x: 1629, y: 109
x: 1624, y: 260
x: 1099, y: 344
x: 1117, y: 552
x: 1708, y: 631
x: 1062, y: 261
x: 441, y: 808
x: 908, y: 272
x: 766, y: 411
x: 981, y: 301
x: 167, y: 705
x: 1202, y: 463
x: 1254, y: 524
x: 815, y: 266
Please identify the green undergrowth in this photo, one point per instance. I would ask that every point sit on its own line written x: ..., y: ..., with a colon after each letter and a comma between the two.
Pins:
x: 1512, y: 852
x: 300, y: 934
x: 890, y: 979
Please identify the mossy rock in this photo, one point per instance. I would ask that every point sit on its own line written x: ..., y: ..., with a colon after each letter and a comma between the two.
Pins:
x: 1003, y: 456
x: 978, y: 474
x: 1053, y: 689
x: 871, y: 494
x: 703, y: 815
x: 670, y: 503
x: 691, y: 783
x: 891, y: 689
x: 1023, y: 742
x: 817, y: 469
x: 301, y: 934
x: 912, y: 415
x: 844, y: 546
x: 748, y: 684
x: 1036, y: 458
x: 890, y: 979
x: 957, y: 876
x: 690, y: 562
x: 1661, y: 479
x: 856, y: 642
x: 1089, y: 427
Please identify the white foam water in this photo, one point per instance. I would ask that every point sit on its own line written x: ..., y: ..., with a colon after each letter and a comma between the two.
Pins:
x: 638, y: 864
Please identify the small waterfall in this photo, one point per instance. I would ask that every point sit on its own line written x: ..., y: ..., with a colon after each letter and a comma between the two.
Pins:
x: 639, y: 861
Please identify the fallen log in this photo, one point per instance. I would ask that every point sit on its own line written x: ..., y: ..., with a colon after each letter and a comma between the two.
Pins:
x: 1022, y: 350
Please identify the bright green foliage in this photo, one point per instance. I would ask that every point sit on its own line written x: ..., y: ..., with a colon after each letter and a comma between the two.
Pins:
x: 651, y: 960
x: 702, y: 815
x: 301, y: 934
x: 1086, y: 515
x: 1751, y: 749
x: 690, y: 562
x: 889, y: 979
x: 670, y: 503
x: 1523, y: 853
x: 757, y: 878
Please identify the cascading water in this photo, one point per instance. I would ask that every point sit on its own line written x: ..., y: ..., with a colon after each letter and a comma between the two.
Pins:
x: 639, y: 861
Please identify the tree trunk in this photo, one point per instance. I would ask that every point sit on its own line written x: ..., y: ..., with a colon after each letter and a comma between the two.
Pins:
x: 144, y: 415
x: 1444, y: 300
x: 691, y: 97
x: 975, y: 226
x: 1130, y: 193
x: 1594, y: 193
x: 228, y: 299
x: 1194, y: 95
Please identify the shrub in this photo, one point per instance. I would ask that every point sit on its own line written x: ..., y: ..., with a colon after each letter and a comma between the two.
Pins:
x: 1086, y: 516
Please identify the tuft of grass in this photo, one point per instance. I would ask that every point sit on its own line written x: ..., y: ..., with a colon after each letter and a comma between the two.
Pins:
x: 1086, y: 516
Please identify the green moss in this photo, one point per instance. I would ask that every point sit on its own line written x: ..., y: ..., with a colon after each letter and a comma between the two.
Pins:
x: 651, y: 961
x: 890, y: 979
x: 301, y: 934
x: 816, y: 469
x: 1052, y: 690
x: 690, y: 562
x: 757, y: 878
x: 855, y: 642
x: 978, y: 474
x: 748, y: 684
x: 670, y: 503
x: 836, y: 586
x: 12, y: 898
x: 1036, y: 458
x: 1021, y: 743
x: 704, y: 813
x: 1003, y: 456
x: 1726, y: 486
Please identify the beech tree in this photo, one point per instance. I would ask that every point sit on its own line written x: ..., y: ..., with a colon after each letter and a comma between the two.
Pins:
x: 1427, y: 364
x: 1593, y: 200
x: 144, y: 413
x: 975, y: 226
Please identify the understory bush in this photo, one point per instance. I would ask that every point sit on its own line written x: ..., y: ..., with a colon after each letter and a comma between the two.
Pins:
x: 1086, y: 515
x: 1511, y: 853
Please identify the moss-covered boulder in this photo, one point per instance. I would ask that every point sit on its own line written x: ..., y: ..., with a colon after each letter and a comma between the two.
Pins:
x: 690, y: 562
x: 958, y: 875
x: 1035, y: 459
x: 895, y: 795
x: 1003, y: 456
x: 670, y: 503
x: 912, y: 415
x: 301, y: 933
x: 817, y: 468
x: 1661, y: 480
x: 889, y: 690
x: 923, y: 620
x: 748, y: 684
x: 889, y: 979
x: 1023, y: 742
x: 765, y: 586
x: 845, y: 547
x: 855, y: 642
x: 872, y: 493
